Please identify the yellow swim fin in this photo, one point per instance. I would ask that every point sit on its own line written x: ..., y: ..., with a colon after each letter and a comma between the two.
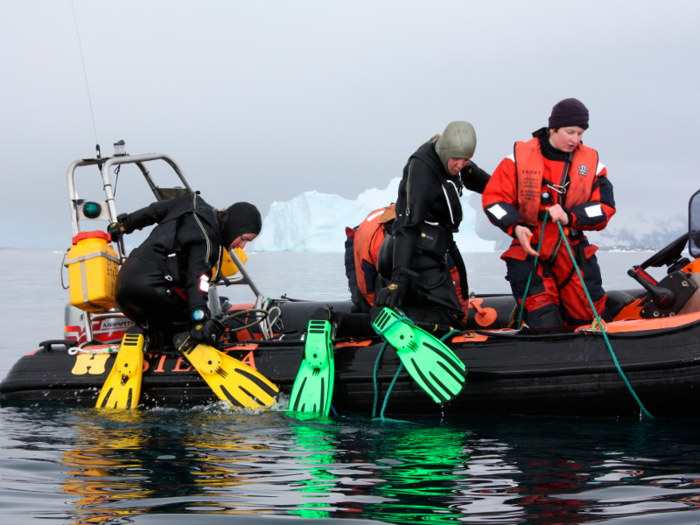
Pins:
x: 122, y: 388
x: 230, y: 379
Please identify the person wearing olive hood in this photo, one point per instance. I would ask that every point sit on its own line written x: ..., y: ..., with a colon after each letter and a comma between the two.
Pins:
x: 164, y: 283
x: 428, y: 213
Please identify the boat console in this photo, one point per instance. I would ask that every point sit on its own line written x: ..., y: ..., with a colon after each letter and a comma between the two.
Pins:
x: 671, y: 295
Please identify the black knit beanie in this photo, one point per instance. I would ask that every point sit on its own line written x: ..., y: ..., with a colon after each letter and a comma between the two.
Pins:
x: 569, y: 112
x: 240, y: 218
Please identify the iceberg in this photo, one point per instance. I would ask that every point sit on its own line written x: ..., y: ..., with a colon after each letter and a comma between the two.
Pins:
x: 316, y: 222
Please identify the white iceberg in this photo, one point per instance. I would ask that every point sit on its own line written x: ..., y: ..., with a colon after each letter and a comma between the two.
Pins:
x: 316, y: 222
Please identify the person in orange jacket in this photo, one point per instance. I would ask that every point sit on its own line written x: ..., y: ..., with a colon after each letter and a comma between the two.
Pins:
x: 362, y: 248
x: 553, y: 177
x: 362, y: 255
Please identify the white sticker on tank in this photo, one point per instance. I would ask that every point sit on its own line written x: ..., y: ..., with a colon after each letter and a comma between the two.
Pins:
x: 594, y: 211
x: 497, y: 211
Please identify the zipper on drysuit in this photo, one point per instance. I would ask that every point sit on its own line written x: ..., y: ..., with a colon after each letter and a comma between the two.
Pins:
x: 408, y: 189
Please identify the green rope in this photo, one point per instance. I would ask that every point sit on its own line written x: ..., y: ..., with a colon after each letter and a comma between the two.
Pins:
x: 600, y: 324
x: 386, y: 397
x: 374, y: 377
x: 393, y: 382
x: 395, y: 321
x: 534, y: 265
x: 376, y: 391
x: 448, y: 334
x: 396, y: 376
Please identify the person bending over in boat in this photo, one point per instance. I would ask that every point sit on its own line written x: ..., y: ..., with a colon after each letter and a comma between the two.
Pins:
x: 553, y: 177
x: 362, y: 248
x: 164, y: 283
x: 163, y: 287
x: 428, y: 212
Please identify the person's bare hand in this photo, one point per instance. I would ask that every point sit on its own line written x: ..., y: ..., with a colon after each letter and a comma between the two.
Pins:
x: 557, y: 213
x: 524, y: 235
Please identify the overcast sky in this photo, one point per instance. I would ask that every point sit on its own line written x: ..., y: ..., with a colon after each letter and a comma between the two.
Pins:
x: 261, y: 101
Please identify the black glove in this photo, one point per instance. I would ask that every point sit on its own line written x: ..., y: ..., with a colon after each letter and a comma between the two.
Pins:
x: 184, y: 342
x: 207, y: 331
x: 117, y: 229
x: 392, y: 296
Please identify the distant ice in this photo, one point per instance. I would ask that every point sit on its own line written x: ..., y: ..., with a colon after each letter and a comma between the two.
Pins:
x: 316, y: 222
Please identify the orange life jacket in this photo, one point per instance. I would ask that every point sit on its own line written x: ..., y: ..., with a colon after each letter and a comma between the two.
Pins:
x: 529, y: 166
x: 367, y: 241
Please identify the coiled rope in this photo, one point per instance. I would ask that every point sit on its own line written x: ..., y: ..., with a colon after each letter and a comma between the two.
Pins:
x: 264, y: 314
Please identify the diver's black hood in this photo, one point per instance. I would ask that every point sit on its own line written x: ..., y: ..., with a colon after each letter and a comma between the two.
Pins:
x: 238, y: 219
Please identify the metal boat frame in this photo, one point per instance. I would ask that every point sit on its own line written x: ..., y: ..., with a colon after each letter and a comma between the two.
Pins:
x: 108, y: 212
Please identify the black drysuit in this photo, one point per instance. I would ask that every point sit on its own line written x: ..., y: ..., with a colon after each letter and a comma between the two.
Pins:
x: 167, y: 278
x: 428, y: 213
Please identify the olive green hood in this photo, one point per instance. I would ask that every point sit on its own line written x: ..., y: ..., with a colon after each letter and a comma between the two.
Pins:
x: 458, y: 141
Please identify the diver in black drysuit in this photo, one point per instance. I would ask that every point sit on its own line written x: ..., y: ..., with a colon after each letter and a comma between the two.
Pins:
x: 428, y: 213
x: 164, y: 283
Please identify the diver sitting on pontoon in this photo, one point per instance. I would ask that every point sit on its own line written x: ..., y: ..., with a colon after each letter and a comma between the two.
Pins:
x: 163, y: 287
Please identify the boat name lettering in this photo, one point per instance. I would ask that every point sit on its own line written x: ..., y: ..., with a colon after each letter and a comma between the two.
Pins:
x: 180, y: 364
x: 116, y: 323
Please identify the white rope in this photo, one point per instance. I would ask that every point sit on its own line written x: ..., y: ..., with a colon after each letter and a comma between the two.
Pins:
x: 103, y: 350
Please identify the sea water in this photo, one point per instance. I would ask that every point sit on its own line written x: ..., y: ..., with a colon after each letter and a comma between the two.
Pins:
x: 213, y: 465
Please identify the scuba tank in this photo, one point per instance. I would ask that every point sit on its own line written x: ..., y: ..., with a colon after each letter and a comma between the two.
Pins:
x: 228, y: 268
x: 92, y: 272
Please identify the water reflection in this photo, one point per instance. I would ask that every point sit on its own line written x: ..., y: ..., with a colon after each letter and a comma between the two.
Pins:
x: 217, y: 461
x: 313, y: 443
x: 104, y: 466
x: 114, y: 467
x: 441, y: 474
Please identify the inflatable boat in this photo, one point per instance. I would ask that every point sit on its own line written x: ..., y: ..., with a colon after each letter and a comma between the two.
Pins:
x: 646, y: 360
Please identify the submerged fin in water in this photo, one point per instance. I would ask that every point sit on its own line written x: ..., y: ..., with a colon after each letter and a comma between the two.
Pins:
x: 313, y: 386
x: 230, y: 379
x: 122, y: 388
x: 431, y: 364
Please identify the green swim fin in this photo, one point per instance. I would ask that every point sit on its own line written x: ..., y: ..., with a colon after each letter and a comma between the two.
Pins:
x: 313, y: 387
x: 431, y: 364
x: 122, y: 388
x: 230, y: 379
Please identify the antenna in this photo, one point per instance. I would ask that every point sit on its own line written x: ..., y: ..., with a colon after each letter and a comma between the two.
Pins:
x: 87, y: 85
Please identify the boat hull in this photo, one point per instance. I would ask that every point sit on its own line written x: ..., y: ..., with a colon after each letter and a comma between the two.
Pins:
x: 555, y: 374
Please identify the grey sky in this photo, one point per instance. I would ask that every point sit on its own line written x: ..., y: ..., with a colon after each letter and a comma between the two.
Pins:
x: 261, y: 101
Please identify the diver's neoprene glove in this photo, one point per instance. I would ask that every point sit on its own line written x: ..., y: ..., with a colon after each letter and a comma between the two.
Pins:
x: 117, y: 229
x: 206, y: 329
x: 392, y: 296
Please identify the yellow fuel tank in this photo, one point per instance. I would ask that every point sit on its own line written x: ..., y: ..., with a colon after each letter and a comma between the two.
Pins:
x: 92, y: 271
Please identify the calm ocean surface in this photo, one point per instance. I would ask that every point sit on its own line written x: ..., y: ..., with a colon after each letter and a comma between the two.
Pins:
x: 214, y: 465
